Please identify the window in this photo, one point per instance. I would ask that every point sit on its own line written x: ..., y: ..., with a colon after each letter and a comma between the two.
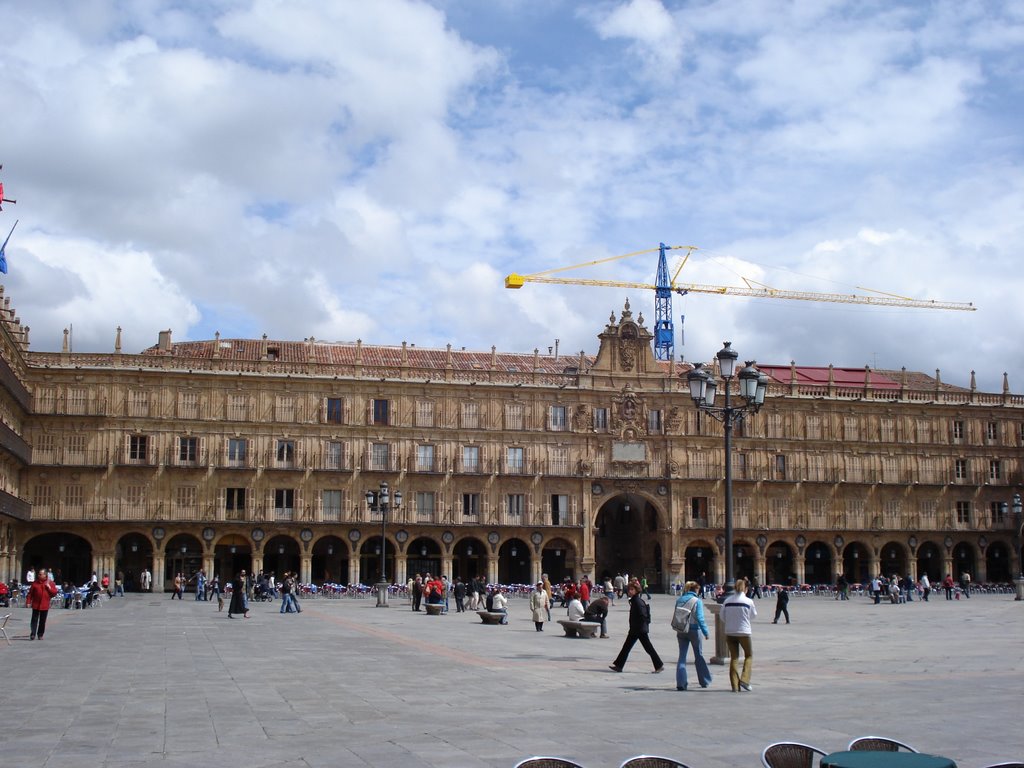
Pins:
x: 514, y: 416
x: 654, y: 424
x: 516, y: 462
x: 924, y: 431
x: 774, y: 424
x: 234, y: 499
x: 471, y: 415
x: 42, y: 496
x: 185, y: 497
x: 380, y: 455
x: 334, y: 455
x: 238, y: 408
x: 739, y: 465
x: 851, y: 428
x: 135, y: 495
x: 890, y: 470
x: 819, y: 508
x: 992, y: 432
x: 284, y: 503
x: 892, y: 509
x: 380, y: 411
x: 138, y: 403
x: 424, y: 413
x: 516, y: 503
x: 888, y: 429
x: 188, y: 450
x: 559, y: 460
x: 470, y: 504
x: 330, y: 505
x: 424, y: 458
x: 600, y: 419
x: 780, y: 467
x: 699, y: 509
x: 556, y: 418
x: 188, y: 405
x: 237, y: 449
x: 958, y: 430
x: 470, y: 458
x: 425, y: 505
x: 285, y: 410
x: 559, y: 508
x: 138, y: 448
x: 995, y: 470
x: 46, y: 400
x: 814, y: 427
x: 998, y: 511
x: 78, y: 401
x: 960, y: 469
x: 334, y: 410
x: 74, y: 496
x: 285, y: 452
x: 963, y: 512
x: 76, y: 447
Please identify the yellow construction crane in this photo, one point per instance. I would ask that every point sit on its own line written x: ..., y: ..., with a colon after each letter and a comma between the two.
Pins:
x: 664, y: 288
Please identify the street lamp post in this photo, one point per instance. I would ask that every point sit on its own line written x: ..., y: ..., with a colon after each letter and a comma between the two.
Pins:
x: 753, y: 386
x: 381, y: 501
x: 1018, y: 519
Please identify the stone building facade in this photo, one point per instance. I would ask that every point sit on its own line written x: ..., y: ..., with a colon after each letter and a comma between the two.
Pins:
x: 233, y: 453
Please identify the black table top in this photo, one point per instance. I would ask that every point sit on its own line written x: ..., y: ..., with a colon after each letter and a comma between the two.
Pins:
x: 864, y: 759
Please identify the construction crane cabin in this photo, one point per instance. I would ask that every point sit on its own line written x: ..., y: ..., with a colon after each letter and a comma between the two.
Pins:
x: 664, y: 287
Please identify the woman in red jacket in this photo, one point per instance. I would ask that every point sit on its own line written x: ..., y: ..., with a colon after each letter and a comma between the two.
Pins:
x: 38, y: 599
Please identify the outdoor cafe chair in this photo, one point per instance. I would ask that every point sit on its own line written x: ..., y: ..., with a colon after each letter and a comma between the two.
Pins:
x: 1006, y: 765
x: 652, y: 761
x: 790, y: 754
x: 3, y: 627
x: 878, y: 744
x: 547, y: 762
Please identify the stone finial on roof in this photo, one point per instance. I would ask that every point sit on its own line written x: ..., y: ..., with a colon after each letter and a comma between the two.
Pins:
x: 974, y: 383
x: 494, y: 356
x: 359, y: 351
x: 536, y: 358
x: 216, y: 344
x: 448, y: 360
x: 311, y: 352
x: 867, y: 376
x: 938, y: 378
x: 1006, y: 384
x: 25, y: 337
x: 831, y: 375
x: 792, y: 371
x: 65, y: 347
x: 405, y: 353
x: 117, y: 340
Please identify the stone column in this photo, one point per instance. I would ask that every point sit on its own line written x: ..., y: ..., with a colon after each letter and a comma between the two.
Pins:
x: 721, y: 649
x: 492, y: 569
x: 306, y: 569
x: 446, y: 566
x: 159, y: 565
x: 801, y: 569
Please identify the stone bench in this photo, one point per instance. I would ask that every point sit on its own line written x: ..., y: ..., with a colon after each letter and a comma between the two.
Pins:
x: 434, y: 609
x: 580, y: 628
x: 489, y: 617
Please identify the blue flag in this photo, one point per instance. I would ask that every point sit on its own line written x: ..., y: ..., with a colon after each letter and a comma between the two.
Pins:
x: 3, y: 256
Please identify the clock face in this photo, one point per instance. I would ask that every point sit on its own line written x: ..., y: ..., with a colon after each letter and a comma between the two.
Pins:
x: 447, y: 537
x: 354, y: 535
x: 257, y: 534
x: 493, y: 537
x: 401, y: 536
x: 306, y: 535
x: 158, y: 533
x: 209, y: 533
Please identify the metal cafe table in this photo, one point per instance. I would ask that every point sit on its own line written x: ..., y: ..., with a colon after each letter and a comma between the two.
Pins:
x: 863, y: 759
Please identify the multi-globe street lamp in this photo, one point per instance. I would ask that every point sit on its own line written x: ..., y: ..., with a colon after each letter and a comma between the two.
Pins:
x: 381, y: 501
x: 752, y: 388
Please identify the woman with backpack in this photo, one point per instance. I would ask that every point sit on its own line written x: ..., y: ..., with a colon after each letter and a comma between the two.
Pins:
x: 688, y: 622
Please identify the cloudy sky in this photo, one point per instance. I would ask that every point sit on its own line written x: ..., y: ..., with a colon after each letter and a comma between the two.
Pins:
x: 373, y: 170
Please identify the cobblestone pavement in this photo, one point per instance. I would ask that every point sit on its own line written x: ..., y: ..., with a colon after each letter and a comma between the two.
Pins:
x: 144, y: 681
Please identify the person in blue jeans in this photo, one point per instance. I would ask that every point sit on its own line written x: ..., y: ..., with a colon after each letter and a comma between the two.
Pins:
x: 698, y: 627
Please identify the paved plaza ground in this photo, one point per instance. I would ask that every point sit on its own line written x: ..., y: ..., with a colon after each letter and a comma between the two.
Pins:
x: 144, y: 681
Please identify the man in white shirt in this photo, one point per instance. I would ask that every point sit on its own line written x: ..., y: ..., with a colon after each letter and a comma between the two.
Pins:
x: 737, y: 611
x: 575, y: 609
x: 146, y: 579
x: 30, y: 576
